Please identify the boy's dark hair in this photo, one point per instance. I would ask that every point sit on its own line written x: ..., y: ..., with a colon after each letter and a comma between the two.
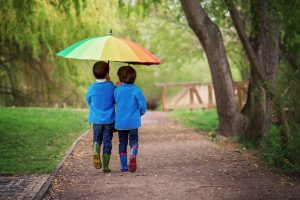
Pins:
x: 127, y: 74
x: 100, y: 69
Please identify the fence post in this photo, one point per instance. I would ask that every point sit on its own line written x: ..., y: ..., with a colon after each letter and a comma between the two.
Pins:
x: 210, y: 100
x: 239, y: 95
x: 191, y: 96
x: 164, y: 98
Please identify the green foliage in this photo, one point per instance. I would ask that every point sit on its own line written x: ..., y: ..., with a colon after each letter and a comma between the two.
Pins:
x: 205, y: 120
x: 141, y: 8
x: 34, y: 31
x: 276, y: 154
x: 273, y: 152
x: 35, y: 140
x: 277, y: 151
x: 30, y: 72
x: 289, y: 12
x: 281, y: 153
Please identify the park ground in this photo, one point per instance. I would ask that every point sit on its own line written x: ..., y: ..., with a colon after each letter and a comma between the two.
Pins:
x: 174, y: 162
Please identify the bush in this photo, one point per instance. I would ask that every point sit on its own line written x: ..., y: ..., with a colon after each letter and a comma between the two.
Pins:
x: 276, y: 154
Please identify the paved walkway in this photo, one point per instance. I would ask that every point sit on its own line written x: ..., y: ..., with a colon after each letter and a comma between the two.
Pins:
x: 173, y: 163
x: 21, y: 187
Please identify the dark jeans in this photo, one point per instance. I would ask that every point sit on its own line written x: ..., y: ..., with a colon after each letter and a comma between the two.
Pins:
x: 103, y: 133
x: 123, y: 139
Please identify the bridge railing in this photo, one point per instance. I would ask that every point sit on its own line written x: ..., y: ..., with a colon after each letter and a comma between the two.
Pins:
x: 203, y: 93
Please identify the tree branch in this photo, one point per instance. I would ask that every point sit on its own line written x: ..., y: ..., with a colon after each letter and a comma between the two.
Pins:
x: 195, y: 16
x: 245, y: 40
x: 14, y: 92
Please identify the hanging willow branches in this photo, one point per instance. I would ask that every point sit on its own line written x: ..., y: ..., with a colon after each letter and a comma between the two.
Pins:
x: 31, y: 33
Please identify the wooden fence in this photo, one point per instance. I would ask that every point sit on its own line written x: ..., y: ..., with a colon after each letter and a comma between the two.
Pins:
x: 202, y: 92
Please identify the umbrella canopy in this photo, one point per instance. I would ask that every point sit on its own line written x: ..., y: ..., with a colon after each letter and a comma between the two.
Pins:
x: 110, y: 48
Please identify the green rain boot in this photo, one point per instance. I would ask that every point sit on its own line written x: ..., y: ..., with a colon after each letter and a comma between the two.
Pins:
x: 96, y: 155
x: 106, y: 158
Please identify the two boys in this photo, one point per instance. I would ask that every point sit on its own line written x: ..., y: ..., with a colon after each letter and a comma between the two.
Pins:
x: 125, y: 116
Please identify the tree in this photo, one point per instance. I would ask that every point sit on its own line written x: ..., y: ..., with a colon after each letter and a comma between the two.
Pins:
x: 231, y: 121
x: 262, y: 49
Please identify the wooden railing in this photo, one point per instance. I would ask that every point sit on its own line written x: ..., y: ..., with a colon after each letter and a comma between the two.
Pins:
x: 202, y: 92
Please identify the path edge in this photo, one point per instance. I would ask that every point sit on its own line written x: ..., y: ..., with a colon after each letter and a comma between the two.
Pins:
x: 42, y: 191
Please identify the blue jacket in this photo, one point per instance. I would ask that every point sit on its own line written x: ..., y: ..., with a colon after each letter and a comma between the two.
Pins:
x: 100, y: 98
x: 130, y: 106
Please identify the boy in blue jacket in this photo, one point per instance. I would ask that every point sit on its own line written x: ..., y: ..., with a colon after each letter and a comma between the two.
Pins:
x: 100, y: 98
x: 130, y: 106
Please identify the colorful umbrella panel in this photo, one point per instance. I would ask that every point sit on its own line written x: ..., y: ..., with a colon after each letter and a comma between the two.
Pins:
x: 110, y: 48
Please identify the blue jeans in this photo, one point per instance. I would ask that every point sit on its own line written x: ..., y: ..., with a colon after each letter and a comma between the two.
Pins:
x: 123, y: 139
x: 103, y: 133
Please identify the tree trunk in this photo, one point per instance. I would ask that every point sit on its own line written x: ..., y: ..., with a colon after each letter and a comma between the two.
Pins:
x: 13, y: 84
x: 263, y: 54
x: 231, y: 122
x: 266, y: 40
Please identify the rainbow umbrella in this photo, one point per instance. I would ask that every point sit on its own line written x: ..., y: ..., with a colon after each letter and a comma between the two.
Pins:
x: 110, y: 48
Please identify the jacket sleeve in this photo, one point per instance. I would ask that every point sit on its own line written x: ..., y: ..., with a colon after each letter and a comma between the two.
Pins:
x: 88, y: 96
x: 141, y: 102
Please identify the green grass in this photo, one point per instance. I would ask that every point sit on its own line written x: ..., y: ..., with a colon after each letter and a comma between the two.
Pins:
x: 205, y: 120
x: 34, y: 140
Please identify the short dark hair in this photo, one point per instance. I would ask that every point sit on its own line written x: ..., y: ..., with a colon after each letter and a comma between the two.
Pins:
x: 100, y: 69
x: 127, y: 74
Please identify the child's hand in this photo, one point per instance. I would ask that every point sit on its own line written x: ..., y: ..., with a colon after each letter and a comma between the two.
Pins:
x: 118, y: 83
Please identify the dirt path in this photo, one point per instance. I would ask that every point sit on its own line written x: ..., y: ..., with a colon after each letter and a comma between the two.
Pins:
x: 173, y: 163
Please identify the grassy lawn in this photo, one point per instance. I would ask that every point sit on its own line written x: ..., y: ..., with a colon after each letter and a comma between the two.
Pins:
x: 205, y: 120
x: 34, y: 140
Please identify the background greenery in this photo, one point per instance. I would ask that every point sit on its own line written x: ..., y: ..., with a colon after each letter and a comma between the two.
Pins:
x: 33, y: 31
x: 36, y: 139
x: 204, y: 120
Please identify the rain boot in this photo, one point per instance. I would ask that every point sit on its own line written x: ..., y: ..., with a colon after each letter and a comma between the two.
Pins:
x: 96, y: 155
x: 132, y: 162
x: 106, y: 159
x: 123, y: 162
